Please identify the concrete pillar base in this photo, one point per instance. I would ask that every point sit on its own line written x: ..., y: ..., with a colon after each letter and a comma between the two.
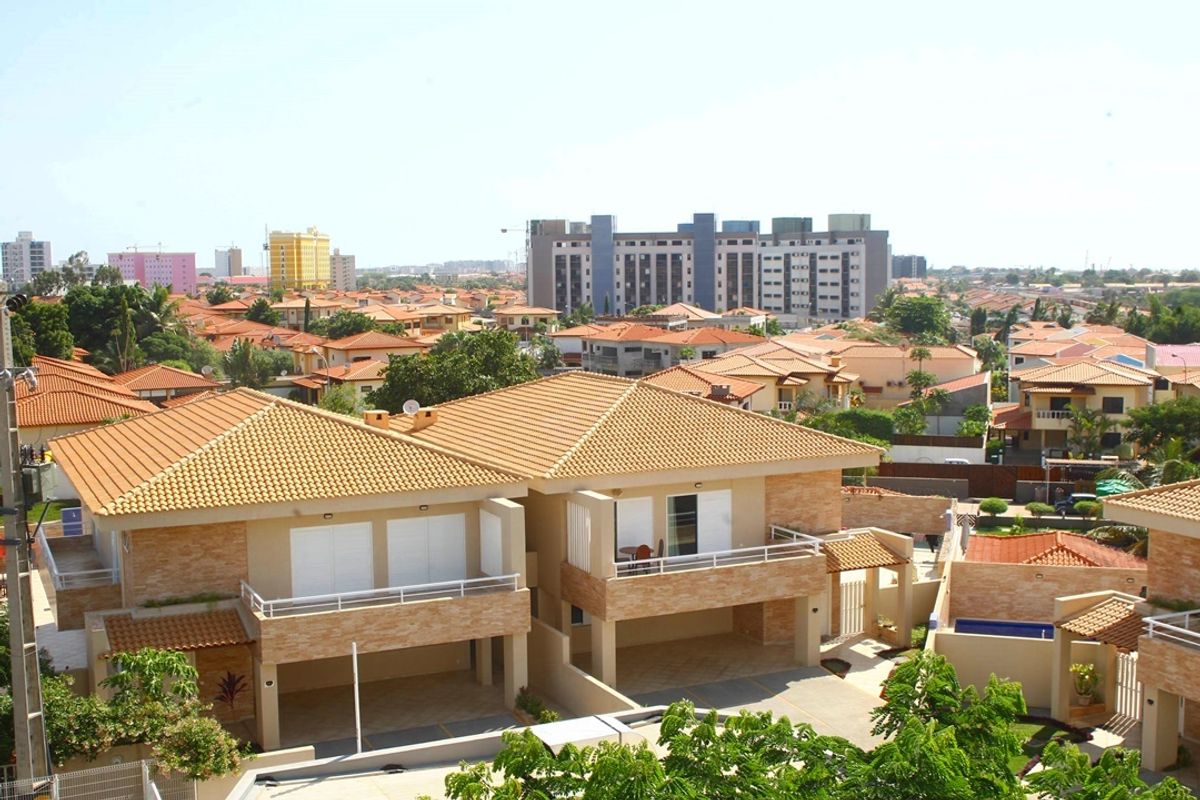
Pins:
x: 483, y: 661
x: 1160, y: 729
x: 604, y: 651
x: 516, y: 667
x: 807, y: 641
x: 266, y: 705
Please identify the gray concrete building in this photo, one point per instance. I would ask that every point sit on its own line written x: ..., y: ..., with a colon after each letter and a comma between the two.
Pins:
x: 342, y: 274
x: 908, y: 267
x: 800, y: 275
x: 23, y: 258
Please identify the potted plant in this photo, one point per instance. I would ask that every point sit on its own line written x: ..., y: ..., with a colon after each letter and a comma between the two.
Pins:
x: 1085, y: 683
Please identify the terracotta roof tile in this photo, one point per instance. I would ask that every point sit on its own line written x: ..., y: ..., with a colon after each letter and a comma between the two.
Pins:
x: 221, y: 628
x: 374, y: 340
x: 706, y: 335
x: 579, y: 424
x: 184, y: 399
x: 47, y: 365
x: 686, y: 310
x: 1180, y: 500
x: 517, y: 311
x: 1112, y: 621
x: 690, y: 380
x: 1057, y: 548
x: 636, y: 332
x: 1100, y: 373
x: 161, y: 376
x: 47, y: 407
x: 857, y: 552
x: 244, y: 448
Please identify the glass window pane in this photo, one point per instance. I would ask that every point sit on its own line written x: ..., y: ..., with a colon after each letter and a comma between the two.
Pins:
x: 681, y: 525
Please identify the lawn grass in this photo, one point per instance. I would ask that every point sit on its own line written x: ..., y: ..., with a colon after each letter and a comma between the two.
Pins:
x: 53, y: 510
x: 1035, y: 736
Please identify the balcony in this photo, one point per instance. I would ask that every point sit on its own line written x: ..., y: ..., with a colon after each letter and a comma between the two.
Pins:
x: 1169, y: 653
x: 787, y: 566
x: 389, y: 618
x: 1044, y: 414
x: 76, y: 579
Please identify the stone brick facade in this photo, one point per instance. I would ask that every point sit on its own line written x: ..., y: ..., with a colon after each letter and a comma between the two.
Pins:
x: 900, y: 513
x: 70, y: 604
x: 213, y: 664
x: 1164, y: 665
x: 1015, y: 592
x: 693, y: 590
x: 772, y: 622
x: 1174, y: 567
x: 809, y: 502
x: 305, y: 637
x: 184, y: 560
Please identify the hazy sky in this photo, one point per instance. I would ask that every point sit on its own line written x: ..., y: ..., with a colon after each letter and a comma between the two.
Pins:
x: 1027, y: 133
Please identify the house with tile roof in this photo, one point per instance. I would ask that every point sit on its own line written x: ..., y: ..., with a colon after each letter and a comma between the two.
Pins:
x: 70, y: 396
x: 788, y: 373
x: 159, y: 382
x: 291, y: 310
x: 1049, y: 392
x: 657, y: 515
x: 571, y: 342
x: 961, y: 394
x: 698, y: 383
x: 362, y: 377
x: 366, y: 346
x: 315, y: 532
x: 523, y: 320
x: 1161, y: 625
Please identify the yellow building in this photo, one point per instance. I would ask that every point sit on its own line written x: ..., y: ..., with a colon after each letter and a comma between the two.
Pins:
x: 299, y: 260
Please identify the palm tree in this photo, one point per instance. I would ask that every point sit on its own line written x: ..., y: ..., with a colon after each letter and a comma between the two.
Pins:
x: 158, y: 313
x: 920, y: 354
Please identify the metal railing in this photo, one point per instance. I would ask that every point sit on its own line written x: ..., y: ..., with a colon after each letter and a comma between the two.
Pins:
x: 1043, y: 414
x: 719, y: 558
x: 76, y: 579
x: 1182, y: 628
x: 345, y: 601
x: 127, y: 781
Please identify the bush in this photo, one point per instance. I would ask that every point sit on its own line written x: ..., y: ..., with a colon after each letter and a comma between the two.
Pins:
x: 1039, y: 510
x: 532, y: 705
x: 1087, y: 508
x: 993, y: 506
x: 1018, y: 524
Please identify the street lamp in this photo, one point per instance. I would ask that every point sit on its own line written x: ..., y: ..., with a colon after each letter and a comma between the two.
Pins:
x: 316, y: 351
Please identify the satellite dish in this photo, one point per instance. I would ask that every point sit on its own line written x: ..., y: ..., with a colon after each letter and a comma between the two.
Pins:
x: 411, y: 407
x: 206, y: 370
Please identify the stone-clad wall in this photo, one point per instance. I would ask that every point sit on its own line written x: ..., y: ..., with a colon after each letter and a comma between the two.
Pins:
x: 895, y: 512
x: 183, y: 560
x: 809, y: 502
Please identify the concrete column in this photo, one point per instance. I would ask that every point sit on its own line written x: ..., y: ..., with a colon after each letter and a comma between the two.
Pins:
x: 835, y: 604
x: 266, y: 705
x: 604, y: 650
x: 564, y: 617
x: 1108, y: 665
x: 808, y: 631
x: 1160, y: 729
x: 871, y: 602
x: 512, y: 535
x: 483, y: 661
x: 904, y: 598
x: 516, y: 667
x: 1061, y: 684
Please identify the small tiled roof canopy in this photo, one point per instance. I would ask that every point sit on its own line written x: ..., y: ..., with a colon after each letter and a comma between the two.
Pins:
x: 1180, y: 500
x: 858, y: 552
x: 1111, y: 622
x: 221, y: 628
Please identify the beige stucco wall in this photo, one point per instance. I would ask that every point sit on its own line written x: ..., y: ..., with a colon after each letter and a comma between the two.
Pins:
x: 322, y: 673
x: 545, y: 533
x: 749, y: 523
x: 41, y: 436
x: 650, y: 630
x: 1174, y: 566
x: 337, y: 357
x: 1014, y: 592
x: 1030, y: 661
x: 551, y: 672
x: 270, y: 550
x: 879, y: 370
x: 905, y: 513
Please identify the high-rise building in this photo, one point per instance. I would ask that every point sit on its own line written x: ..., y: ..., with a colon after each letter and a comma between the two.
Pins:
x: 800, y: 275
x: 342, y: 272
x: 24, y: 258
x: 227, y: 263
x: 299, y: 260
x: 908, y: 266
x: 176, y: 270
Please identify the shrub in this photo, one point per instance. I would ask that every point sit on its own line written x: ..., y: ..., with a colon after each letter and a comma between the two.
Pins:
x: 1087, y: 508
x: 993, y: 506
x: 532, y: 705
x: 1039, y: 510
x: 1018, y: 524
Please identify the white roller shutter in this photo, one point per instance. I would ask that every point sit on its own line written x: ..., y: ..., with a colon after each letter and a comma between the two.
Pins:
x: 714, y: 519
x: 329, y: 559
x: 635, y: 522
x: 408, y: 551
x: 353, y: 561
x: 447, y: 548
x: 312, y: 557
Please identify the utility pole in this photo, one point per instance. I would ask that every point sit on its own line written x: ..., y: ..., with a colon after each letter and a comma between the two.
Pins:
x: 28, y: 719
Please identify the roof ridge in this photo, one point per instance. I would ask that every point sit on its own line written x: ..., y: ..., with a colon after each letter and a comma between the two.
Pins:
x: 1152, y: 490
x: 587, y: 435
x: 560, y: 376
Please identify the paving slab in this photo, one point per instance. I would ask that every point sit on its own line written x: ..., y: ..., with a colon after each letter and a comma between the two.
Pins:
x: 470, y: 727
x: 425, y: 733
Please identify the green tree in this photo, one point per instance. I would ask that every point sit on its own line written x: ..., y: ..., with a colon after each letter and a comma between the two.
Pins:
x: 24, y: 342
x: 909, y: 420
x: 1154, y: 425
x: 883, y: 304
x: 975, y: 421
x: 1086, y: 429
x: 47, y: 282
x: 979, y: 319
x: 580, y: 315
x: 260, y: 311
x: 1069, y: 774
x: 1040, y: 311
x: 157, y: 312
x: 993, y: 506
x: 918, y: 315
x: 920, y: 355
x: 773, y: 327
x: 121, y: 353
x: 196, y: 352
x: 548, y: 355
x: 107, y: 276
x: 644, y: 311
x: 50, y: 327
x: 218, y: 294
x: 1066, y: 316
x: 246, y: 364
x: 342, y: 324
x: 341, y: 399
x: 460, y: 365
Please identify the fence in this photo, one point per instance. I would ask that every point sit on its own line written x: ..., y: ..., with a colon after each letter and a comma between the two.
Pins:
x: 1128, y: 702
x: 853, y: 602
x: 75, y: 579
x: 983, y: 480
x: 135, y: 780
x: 721, y: 558
x: 373, y: 597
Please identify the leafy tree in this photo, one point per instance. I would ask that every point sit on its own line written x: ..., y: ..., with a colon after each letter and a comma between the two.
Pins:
x: 1069, y: 774
x: 1039, y: 510
x: 195, y: 352
x: 919, y: 315
x: 687, y: 353
x: 107, y: 276
x: 342, y: 324
x: 1066, y: 316
x: 918, y: 381
x: 460, y: 365
x: 1086, y: 429
x: 94, y: 312
x: 307, y: 314
x: 1087, y: 508
x: 644, y: 310
x: 218, y: 294
x: 975, y: 421
x: 909, y: 420
x: 548, y: 355
x: 47, y: 282
x: 24, y: 342
x: 580, y: 315
x: 883, y: 305
x: 863, y: 424
x: 773, y: 327
x: 249, y: 365
x: 50, y: 328
x: 920, y: 355
x: 993, y: 506
x: 121, y: 353
x: 260, y: 311
x: 979, y: 318
x: 1040, y: 311
x: 341, y: 399
x: 1154, y: 425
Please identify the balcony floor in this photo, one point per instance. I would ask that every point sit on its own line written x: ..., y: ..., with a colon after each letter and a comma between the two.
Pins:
x: 395, y: 712
x: 74, y: 553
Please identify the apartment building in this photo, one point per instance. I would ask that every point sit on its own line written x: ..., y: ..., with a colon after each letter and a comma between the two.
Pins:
x: 799, y: 275
x: 632, y: 349
x: 23, y: 258
x: 909, y: 267
x: 176, y: 270
x: 299, y: 260
x: 227, y: 262
x: 342, y: 273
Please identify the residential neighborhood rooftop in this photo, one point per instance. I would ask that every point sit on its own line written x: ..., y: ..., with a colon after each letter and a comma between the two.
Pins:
x: 1058, y: 549
x: 128, y: 633
x: 1179, y: 500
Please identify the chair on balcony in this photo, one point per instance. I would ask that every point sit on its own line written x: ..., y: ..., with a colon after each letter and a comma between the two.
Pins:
x: 644, y: 553
x: 661, y: 548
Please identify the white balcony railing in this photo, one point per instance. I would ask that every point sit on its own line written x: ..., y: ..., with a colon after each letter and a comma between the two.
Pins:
x: 1044, y: 414
x: 344, y: 601
x: 1182, y: 628
x: 76, y: 579
x: 719, y: 558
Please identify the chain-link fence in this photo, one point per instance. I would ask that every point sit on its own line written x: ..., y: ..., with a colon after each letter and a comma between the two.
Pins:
x: 137, y: 780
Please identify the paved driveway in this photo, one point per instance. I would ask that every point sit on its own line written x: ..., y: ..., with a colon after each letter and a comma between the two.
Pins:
x: 803, y: 694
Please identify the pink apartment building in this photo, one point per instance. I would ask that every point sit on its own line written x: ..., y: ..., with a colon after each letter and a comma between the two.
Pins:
x: 177, y: 270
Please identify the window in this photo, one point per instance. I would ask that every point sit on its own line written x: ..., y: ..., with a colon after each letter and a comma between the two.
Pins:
x: 1113, y: 405
x: 1060, y: 403
x: 1110, y: 440
x: 681, y: 525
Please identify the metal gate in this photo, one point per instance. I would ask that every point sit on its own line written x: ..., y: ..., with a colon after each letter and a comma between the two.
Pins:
x: 134, y: 780
x: 1128, y: 702
x: 852, y: 607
